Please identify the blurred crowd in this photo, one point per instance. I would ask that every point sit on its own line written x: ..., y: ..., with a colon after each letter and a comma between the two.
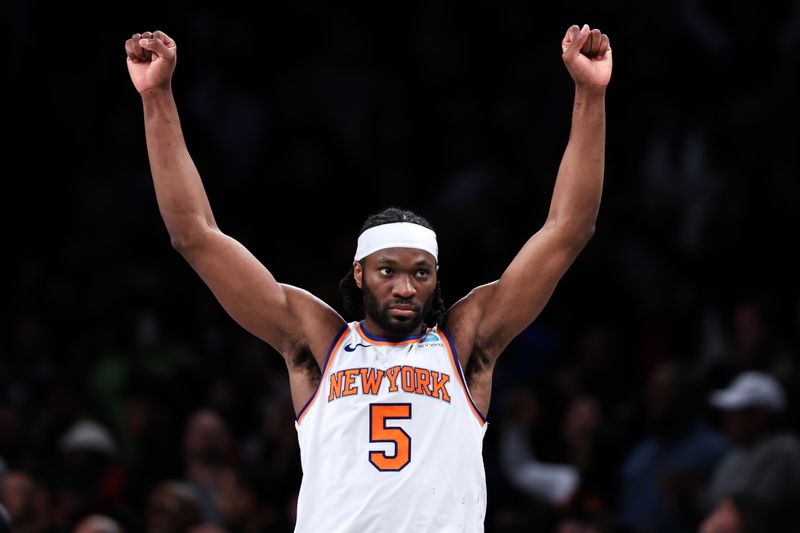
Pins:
x: 657, y: 393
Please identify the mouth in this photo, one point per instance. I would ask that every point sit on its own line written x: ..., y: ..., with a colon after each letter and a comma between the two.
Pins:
x: 402, y: 311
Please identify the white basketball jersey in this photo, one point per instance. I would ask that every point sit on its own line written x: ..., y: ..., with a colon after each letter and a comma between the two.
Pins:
x: 391, y: 441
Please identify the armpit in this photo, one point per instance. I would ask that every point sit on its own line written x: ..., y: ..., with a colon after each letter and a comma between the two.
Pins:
x: 478, y: 362
x: 302, y: 360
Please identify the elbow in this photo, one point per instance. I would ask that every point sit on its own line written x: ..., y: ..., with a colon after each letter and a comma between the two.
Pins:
x: 185, y: 242
x: 573, y: 234
x: 187, y: 233
x: 587, y: 232
x: 180, y: 243
x: 577, y: 238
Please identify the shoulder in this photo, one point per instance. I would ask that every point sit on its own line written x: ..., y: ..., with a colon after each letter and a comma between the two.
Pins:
x: 462, y: 320
x: 782, y: 445
x: 318, y: 323
x: 303, y: 301
x: 464, y: 315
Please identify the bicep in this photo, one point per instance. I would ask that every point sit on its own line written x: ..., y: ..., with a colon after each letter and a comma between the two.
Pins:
x: 525, y: 287
x: 276, y: 313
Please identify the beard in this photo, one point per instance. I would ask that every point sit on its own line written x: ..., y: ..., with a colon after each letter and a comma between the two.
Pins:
x: 393, y: 326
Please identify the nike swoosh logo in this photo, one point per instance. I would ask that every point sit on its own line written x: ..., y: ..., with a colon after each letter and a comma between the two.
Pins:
x: 351, y: 348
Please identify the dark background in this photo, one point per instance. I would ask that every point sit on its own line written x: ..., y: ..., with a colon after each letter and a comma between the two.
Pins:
x: 303, y: 119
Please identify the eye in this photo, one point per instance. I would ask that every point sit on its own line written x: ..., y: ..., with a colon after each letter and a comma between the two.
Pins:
x: 386, y: 271
x: 422, y: 272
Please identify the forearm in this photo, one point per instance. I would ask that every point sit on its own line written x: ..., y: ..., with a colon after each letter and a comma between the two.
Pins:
x: 576, y: 195
x: 181, y: 197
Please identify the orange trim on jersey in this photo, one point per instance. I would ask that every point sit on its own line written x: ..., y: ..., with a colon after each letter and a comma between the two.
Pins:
x: 335, y: 346
x: 372, y: 340
x: 457, y: 369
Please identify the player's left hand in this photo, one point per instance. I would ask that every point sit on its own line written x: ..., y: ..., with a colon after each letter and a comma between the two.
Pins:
x: 587, y: 54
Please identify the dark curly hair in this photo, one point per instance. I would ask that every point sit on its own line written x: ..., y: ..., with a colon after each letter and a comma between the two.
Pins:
x: 352, y: 297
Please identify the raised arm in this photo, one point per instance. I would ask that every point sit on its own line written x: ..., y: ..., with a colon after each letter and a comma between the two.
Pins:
x: 289, y: 319
x: 492, y: 315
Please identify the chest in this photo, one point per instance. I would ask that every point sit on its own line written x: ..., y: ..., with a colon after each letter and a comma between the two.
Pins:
x: 373, y: 370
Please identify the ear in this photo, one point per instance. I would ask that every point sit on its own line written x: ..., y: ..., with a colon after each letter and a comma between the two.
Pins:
x: 357, y: 273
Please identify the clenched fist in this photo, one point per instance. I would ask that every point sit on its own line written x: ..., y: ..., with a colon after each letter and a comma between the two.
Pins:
x: 151, y: 60
x: 587, y: 54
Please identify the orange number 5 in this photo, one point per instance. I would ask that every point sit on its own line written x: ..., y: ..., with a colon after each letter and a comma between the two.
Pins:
x: 379, y: 413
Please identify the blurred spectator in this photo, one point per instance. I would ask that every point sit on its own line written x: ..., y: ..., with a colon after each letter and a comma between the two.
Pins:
x: 595, y: 449
x: 97, y: 523
x: 764, y: 465
x: 531, y: 479
x: 207, y: 450
x: 5, y: 520
x: 740, y: 514
x: 250, y: 501
x: 173, y: 507
x: 138, y: 388
x: 664, y: 473
x: 551, y: 483
x: 92, y: 478
x: 27, y: 503
x: 582, y: 420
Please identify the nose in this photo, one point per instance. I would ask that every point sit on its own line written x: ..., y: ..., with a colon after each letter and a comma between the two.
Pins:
x: 404, y: 288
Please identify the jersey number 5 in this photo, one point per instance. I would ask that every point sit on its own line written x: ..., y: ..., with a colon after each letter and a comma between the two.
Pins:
x: 379, y: 413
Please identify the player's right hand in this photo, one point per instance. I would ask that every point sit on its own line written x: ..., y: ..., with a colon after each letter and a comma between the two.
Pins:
x: 587, y: 54
x: 151, y: 60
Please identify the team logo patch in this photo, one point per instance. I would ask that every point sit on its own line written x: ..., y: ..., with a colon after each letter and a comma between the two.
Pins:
x: 431, y: 339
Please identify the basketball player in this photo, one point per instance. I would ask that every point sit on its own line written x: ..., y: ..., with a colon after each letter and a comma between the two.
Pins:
x: 390, y: 410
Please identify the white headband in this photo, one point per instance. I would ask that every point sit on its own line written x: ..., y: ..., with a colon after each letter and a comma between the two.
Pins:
x: 396, y: 235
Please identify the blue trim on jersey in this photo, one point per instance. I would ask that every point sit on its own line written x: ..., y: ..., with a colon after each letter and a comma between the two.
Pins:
x: 372, y: 337
x: 460, y: 371
x: 324, y: 369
